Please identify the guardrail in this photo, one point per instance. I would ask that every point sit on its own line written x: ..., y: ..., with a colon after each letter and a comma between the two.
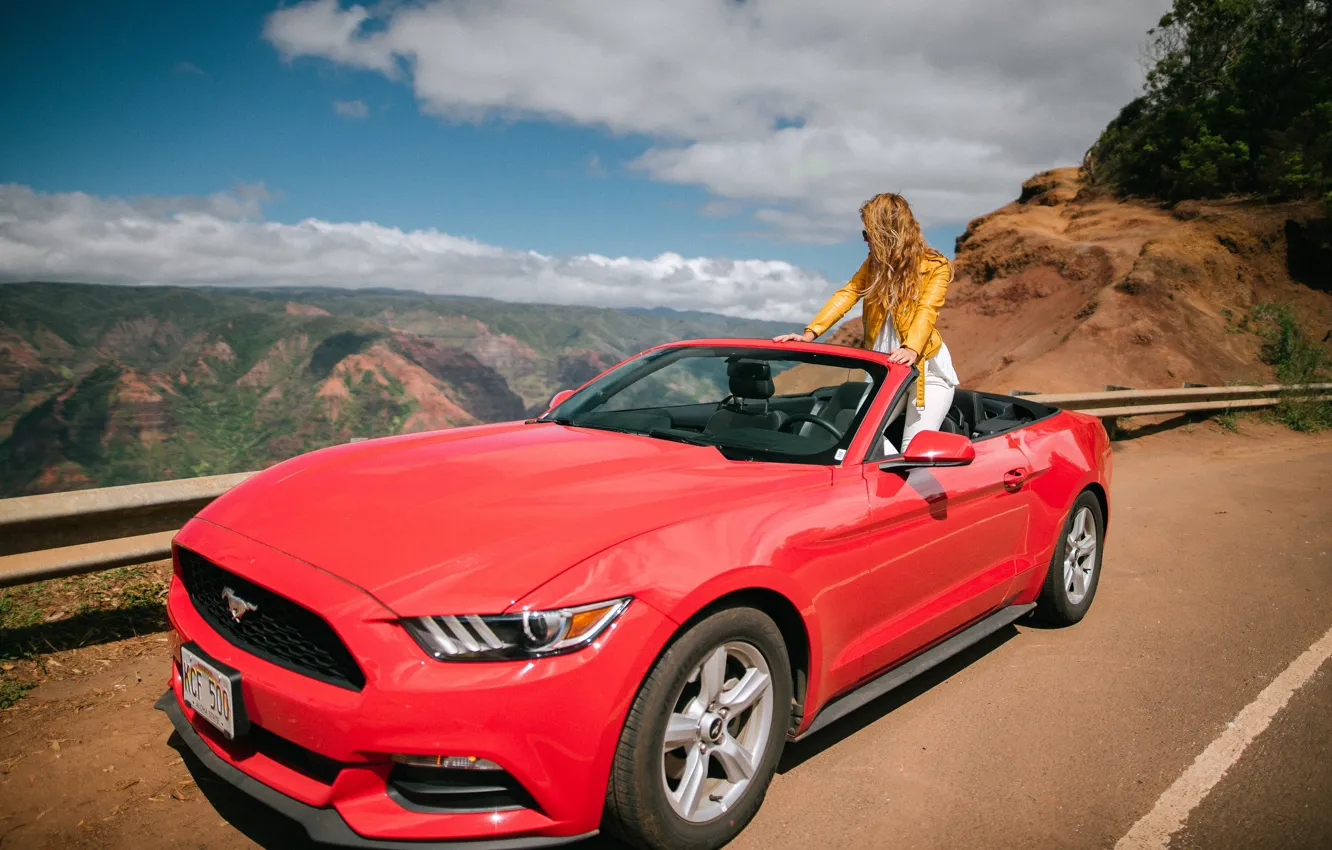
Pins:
x: 1113, y: 404
x: 82, y: 531
x: 62, y: 534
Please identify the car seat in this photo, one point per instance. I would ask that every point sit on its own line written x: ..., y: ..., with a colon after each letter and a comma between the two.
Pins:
x: 1000, y: 417
x: 964, y: 413
x: 841, y: 409
x: 750, y: 382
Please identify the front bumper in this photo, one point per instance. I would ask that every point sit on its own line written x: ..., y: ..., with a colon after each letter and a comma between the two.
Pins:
x: 553, y: 724
x: 325, y: 825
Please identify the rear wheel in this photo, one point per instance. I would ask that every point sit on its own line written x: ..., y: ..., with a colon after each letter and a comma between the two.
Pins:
x: 1075, y: 569
x: 702, y: 740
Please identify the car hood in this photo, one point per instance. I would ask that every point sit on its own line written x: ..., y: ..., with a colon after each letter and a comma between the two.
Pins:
x: 473, y: 519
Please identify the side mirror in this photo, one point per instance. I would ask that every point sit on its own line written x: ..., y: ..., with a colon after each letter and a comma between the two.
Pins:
x: 933, y: 448
x: 560, y: 398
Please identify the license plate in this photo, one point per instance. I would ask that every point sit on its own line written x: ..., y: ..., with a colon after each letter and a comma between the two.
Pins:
x: 210, y: 691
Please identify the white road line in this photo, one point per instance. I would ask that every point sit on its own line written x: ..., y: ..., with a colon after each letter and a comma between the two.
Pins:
x: 1172, y: 808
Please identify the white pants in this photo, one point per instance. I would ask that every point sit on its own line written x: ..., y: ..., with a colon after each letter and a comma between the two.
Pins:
x: 938, y: 401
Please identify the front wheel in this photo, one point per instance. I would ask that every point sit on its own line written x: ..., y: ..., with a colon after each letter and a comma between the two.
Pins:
x: 1075, y: 569
x: 702, y: 740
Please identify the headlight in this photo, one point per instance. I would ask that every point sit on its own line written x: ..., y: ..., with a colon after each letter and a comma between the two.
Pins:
x: 528, y: 634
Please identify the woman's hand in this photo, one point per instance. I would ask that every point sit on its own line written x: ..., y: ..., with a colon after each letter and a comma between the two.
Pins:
x: 904, y: 356
x: 804, y: 337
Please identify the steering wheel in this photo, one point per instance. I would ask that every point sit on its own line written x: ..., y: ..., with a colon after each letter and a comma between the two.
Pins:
x: 814, y: 420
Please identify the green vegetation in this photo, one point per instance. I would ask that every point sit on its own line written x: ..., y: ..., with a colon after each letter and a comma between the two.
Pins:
x: 249, y: 335
x: 84, y: 415
x: 68, y: 613
x: 1238, y: 101
x: 333, y: 349
x: 65, y: 613
x: 1296, y: 359
x: 12, y: 691
x: 62, y: 429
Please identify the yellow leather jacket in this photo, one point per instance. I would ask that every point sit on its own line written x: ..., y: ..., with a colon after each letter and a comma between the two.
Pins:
x: 913, y: 321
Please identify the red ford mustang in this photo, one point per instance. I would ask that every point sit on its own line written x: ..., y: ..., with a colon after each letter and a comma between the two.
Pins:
x: 614, y: 616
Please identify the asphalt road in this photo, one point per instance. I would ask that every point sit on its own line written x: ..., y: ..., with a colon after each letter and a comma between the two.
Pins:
x: 1217, y: 577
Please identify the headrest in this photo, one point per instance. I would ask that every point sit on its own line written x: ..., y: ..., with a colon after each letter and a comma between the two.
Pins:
x: 750, y: 388
x: 751, y: 379
x: 754, y: 370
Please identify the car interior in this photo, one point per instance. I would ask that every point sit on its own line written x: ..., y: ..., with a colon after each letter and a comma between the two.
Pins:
x: 976, y: 415
x: 808, y: 424
x: 750, y: 403
x: 801, y: 425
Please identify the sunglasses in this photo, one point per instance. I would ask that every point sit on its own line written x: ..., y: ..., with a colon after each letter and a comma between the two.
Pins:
x: 864, y: 234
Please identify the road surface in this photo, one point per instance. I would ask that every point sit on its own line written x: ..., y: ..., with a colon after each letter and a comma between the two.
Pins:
x: 1217, y: 580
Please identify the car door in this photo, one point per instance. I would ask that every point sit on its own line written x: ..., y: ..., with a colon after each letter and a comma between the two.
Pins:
x: 946, y: 541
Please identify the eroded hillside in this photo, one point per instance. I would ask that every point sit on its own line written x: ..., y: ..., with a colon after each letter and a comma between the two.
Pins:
x: 1070, y: 289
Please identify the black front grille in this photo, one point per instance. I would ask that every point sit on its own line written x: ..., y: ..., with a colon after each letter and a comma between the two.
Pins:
x: 276, y: 629
x: 438, y: 789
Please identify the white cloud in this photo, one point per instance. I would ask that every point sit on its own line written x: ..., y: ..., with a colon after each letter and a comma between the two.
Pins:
x: 804, y: 108
x: 327, y: 30
x: 355, y: 109
x: 221, y: 240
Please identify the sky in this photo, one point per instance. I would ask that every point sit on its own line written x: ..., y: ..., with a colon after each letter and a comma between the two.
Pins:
x: 696, y: 154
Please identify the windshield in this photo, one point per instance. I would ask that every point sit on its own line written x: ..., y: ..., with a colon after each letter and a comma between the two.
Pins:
x: 750, y: 403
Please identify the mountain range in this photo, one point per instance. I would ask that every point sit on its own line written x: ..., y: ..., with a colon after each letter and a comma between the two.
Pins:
x: 107, y: 385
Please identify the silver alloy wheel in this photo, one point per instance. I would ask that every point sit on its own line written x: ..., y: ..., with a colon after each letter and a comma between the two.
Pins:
x: 717, y: 733
x: 1080, y: 556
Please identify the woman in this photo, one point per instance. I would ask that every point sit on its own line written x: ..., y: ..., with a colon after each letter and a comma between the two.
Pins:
x: 906, y: 279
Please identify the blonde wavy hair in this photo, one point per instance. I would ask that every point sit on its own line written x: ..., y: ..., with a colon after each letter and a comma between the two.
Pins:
x: 896, y: 249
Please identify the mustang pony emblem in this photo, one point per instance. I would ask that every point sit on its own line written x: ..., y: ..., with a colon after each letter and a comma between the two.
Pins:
x: 237, y: 606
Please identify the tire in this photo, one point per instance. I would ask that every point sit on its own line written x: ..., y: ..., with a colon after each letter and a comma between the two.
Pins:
x: 648, y: 804
x: 1060, y: 603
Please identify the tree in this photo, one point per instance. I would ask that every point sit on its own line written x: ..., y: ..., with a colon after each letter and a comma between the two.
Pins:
x: 1238, y: 100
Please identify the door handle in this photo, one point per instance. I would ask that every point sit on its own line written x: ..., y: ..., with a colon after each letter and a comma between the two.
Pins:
x: 1014, y: 479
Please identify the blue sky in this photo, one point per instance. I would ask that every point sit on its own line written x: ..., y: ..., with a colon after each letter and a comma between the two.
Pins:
x: 150, y: 98
x: 566, y: 138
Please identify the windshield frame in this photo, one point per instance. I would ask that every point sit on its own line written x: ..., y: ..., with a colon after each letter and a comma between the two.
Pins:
x: 618, y: 378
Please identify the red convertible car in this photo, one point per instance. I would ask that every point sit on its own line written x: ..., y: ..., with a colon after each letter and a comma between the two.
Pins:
x: 614, y: 616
